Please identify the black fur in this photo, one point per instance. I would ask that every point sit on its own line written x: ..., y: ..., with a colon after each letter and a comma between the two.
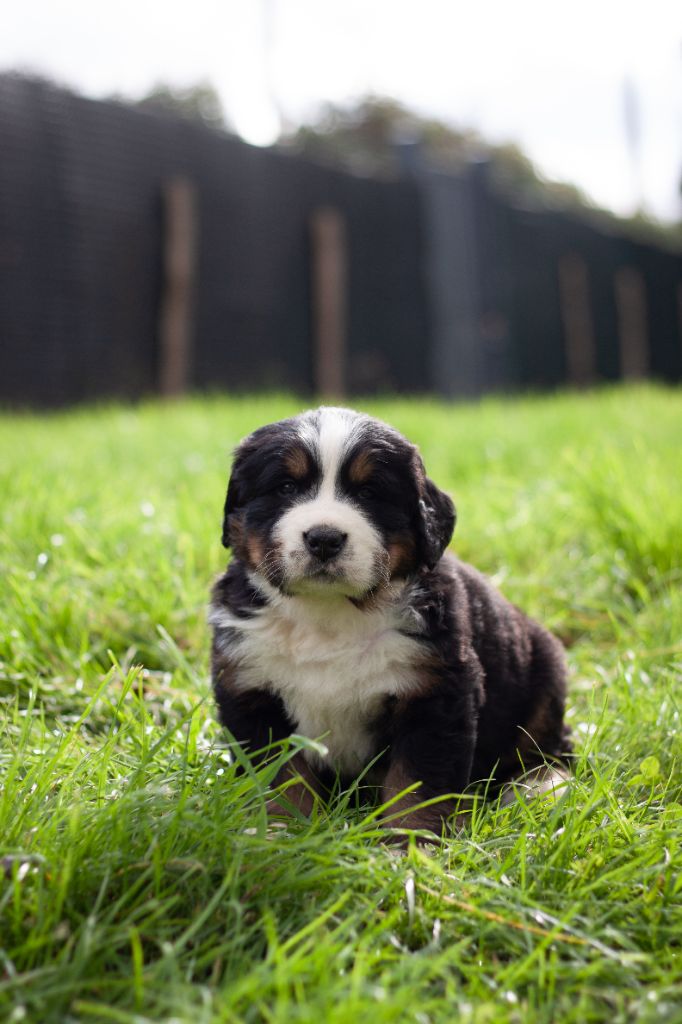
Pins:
x: 487, y: 701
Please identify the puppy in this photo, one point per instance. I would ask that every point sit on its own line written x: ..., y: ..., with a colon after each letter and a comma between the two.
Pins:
x: 340, y: 618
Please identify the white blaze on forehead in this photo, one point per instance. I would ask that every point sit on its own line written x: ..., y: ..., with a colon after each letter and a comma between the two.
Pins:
x: 331, y: 437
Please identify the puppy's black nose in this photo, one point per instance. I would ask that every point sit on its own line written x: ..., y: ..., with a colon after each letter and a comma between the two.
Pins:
x: 325, y: 542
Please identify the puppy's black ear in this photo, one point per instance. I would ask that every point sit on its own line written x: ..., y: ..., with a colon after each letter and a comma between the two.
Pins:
x: 230, y: 506
x: 234, y: 497
x: 436, y: 517
x: 250, y: 456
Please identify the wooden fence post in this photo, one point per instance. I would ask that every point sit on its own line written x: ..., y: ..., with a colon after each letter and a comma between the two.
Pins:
x: 632, y: 323
x: 175, y: 311
x: 576, y: 315
x: 329, y: 267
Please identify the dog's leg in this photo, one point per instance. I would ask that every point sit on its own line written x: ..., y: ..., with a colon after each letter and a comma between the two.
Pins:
x: 256, y: 718
x: 406, y: 811
x: 432, y: 746
x: 301, y: 788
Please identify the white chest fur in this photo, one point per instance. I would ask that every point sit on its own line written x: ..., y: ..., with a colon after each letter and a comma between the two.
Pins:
x: 332, y: 664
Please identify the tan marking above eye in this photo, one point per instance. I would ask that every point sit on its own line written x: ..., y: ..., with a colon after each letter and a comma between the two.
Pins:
x: 297, y: 463
x: 360, y: 469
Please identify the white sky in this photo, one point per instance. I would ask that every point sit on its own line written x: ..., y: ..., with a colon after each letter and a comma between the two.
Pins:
x: 548, y: 75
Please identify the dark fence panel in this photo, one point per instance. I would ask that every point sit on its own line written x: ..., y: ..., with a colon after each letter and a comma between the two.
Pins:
x: 253, y: 322
x: 81, y: 244
x: 663, y: 281
x: 452, y: 285
x: 541, y: 282
x: 536, y: 318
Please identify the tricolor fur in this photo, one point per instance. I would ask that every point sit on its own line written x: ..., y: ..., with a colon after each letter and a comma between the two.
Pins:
x: 340, y: 618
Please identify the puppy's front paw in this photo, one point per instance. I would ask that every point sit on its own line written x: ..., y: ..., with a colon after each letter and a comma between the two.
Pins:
x: 296, y: 797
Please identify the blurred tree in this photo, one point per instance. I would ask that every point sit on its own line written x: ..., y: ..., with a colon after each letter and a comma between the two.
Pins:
x: 366, y: 138
x: 199, y: 102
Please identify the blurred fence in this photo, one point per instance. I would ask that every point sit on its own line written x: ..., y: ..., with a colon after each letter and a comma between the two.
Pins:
x: 543, y: 298
x: 141, y: 253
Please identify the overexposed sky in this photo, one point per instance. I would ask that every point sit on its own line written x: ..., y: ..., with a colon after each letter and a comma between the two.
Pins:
x: 549, y: 76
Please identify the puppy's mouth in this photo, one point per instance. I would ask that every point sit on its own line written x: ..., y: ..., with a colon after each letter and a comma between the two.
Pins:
x: 321, y: 577
x: 332, y: 578
x: 325, y: 572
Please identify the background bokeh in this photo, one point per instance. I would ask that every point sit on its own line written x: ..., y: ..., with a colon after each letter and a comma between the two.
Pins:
x: 338, y: 198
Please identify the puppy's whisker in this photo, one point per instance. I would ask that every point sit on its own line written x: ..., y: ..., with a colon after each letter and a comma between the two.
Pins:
x: 268, y: 567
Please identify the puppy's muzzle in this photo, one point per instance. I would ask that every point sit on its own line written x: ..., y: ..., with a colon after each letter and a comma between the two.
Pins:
x: 325, y: 542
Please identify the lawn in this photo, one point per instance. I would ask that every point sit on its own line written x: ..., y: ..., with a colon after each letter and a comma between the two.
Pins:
x: 139, y: 879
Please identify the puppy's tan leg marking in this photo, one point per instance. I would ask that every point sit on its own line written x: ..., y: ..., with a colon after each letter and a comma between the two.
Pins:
x: 405, y: 812
x: 302, y: 788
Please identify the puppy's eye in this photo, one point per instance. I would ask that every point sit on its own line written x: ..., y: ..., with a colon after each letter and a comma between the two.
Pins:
x: 287, y: 487
x: 367, y: 492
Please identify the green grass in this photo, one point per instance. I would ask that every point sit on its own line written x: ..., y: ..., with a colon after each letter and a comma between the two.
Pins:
x: 139, y: 878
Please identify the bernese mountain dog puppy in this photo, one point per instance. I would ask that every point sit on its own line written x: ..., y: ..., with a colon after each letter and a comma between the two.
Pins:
x: 341, y: 618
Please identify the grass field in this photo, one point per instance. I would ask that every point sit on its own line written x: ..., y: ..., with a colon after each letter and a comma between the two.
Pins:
x: 139, y: 880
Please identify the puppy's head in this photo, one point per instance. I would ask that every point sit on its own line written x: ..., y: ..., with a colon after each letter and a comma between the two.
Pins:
x: 334, y: 501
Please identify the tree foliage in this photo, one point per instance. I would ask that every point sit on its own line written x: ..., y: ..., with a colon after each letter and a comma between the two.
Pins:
x: 199, y: 102
x: 378, y: 136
